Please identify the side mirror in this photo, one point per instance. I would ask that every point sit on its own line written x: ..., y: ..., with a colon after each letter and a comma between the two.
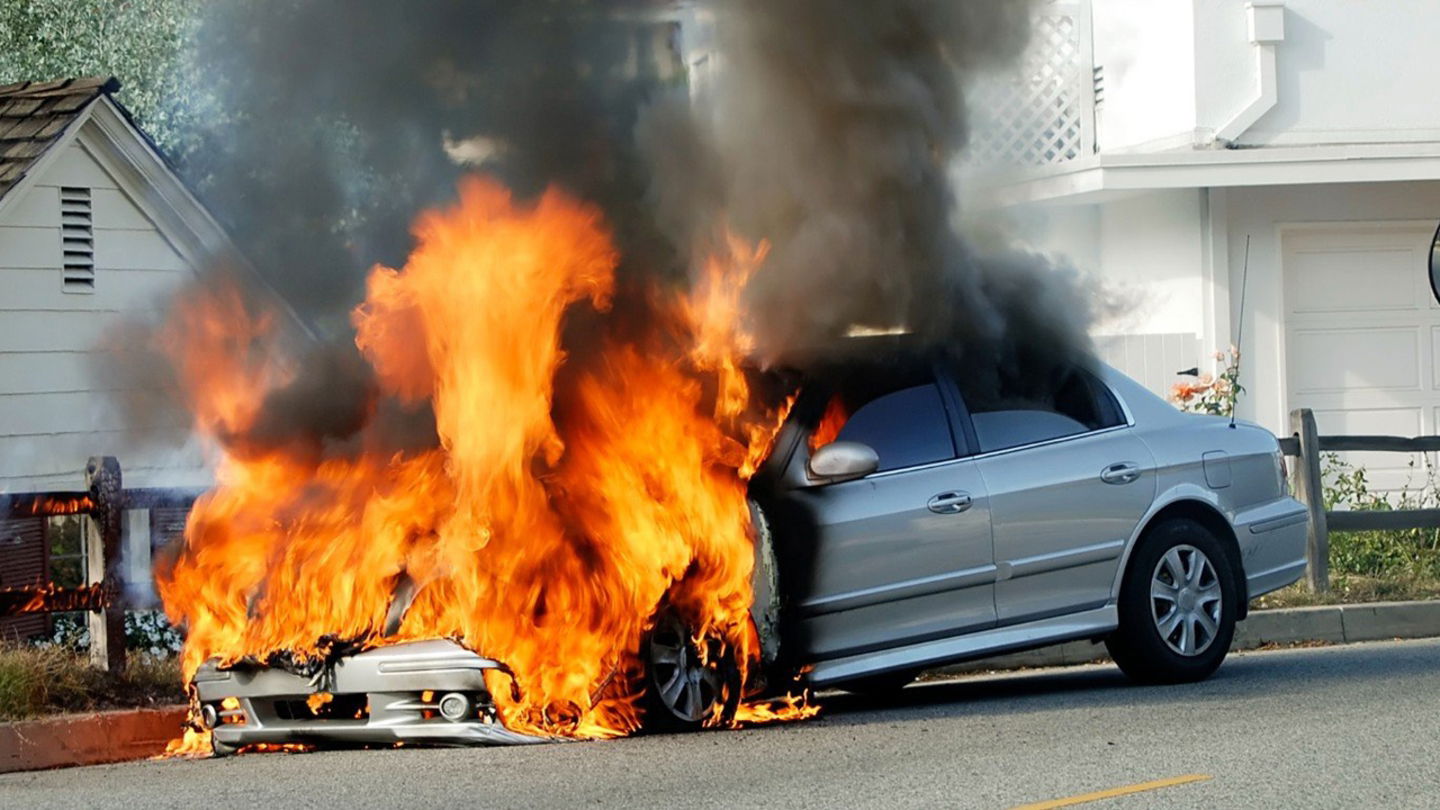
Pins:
x: 1435, y: 265
x: 843, y: 461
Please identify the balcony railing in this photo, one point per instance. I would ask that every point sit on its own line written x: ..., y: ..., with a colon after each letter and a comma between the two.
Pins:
x: 1042, y: 111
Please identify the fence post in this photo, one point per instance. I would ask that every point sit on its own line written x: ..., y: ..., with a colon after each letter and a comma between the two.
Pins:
x: 102, y: 553
x: 1309, y: 491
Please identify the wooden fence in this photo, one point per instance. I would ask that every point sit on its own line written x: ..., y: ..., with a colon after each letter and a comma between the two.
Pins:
x: 105, y: 501
x: 1306, y: 445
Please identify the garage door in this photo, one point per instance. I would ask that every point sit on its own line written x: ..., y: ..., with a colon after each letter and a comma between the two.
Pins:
x: 1363, y: 337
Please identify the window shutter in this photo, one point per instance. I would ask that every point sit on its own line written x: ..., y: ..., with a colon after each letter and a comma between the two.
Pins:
x: 77, y: 235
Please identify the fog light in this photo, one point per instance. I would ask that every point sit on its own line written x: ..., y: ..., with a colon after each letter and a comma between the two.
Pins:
x: 456, y: 707
x: 208, y: 716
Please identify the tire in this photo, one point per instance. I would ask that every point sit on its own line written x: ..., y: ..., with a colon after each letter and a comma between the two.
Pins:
x: 765, y: 582
x: 680, y: 693
x: 219, y: 749
x: 886, y: 684
x: 1178, y: 604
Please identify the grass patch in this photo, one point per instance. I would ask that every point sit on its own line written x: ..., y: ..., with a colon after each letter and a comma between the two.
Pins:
x: 37, y: 680
x: 1347, y: 589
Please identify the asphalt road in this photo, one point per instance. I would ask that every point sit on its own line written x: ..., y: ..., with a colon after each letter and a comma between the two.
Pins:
x: 1348, y: 726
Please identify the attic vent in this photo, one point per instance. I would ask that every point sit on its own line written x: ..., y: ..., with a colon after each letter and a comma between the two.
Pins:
x: 77, y: 236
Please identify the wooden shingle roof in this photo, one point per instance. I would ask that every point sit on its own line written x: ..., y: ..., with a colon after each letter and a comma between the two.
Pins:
x: 34, y: 114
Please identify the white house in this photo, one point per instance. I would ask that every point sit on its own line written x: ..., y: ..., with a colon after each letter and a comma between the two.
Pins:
x: 1148, y: 140
x: 94, y: 228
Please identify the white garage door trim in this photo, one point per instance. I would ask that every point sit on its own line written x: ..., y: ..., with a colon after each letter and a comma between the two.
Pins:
x: 1362, y: 334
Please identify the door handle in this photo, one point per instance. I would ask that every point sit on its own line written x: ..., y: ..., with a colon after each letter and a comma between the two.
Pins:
x: 1123, y: 473
x: 950, y: 503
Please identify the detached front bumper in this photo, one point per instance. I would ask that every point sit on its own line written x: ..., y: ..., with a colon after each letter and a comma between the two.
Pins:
x: 423, y: 692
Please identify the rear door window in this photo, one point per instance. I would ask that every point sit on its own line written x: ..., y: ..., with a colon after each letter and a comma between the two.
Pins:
x: 1012, y: 410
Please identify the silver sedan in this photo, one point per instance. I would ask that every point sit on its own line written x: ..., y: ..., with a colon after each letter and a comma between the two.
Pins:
x: 919, y: 515
x: 912, y: 514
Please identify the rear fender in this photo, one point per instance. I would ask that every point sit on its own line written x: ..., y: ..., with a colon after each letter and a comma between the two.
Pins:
x: 1195, y: 503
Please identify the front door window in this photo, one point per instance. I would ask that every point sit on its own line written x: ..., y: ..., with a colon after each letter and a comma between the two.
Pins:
x: 900, y: 416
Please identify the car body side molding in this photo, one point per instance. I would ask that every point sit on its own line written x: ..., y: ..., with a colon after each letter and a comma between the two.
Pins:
x: 1085, y: 624
x: 1060, y: 560
x: 922, y: 586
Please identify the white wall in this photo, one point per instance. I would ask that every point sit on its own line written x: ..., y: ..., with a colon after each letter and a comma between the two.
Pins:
x: 1355, y: 71
x: 1154, y: 247
x: 1348, y: 71
x: 54, y: 412
x: 1263, y: 213
x: 1151, y: 252
x: 1147, y: 248
x: 1147, y: 50
x: 1226, y: 67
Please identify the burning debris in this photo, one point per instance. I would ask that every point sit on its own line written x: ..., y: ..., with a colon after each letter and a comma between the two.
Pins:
x: 536, y: 432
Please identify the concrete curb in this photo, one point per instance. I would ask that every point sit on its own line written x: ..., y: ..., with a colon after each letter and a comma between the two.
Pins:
x: 87, y: 739
x: 1331, y: 624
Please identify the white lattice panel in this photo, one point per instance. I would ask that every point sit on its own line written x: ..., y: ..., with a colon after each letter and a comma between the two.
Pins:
x: 1043, y: 112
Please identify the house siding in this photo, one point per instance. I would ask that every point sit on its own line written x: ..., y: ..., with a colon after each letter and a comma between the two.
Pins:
x: 55, y: 409
x: 22, y: 563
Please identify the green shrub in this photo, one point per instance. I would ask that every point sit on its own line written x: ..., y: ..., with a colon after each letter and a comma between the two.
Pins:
x: 36, y: 679
x: 146, y: 631
x: 1402, y: 552
x: 18, y: 688
x: 33, y: 679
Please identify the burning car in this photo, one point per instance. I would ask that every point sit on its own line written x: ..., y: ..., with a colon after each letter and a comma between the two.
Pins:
x: 913, y: 511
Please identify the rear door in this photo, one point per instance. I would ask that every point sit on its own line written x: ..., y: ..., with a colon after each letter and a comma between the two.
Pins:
x: 903, y: 554
x: 1068, y: 482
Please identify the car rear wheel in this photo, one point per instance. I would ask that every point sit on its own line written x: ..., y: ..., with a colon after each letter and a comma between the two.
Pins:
x: 1177, y: 607
x: 685, y: 686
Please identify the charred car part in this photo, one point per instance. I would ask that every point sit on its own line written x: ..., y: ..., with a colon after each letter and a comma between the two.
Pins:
x: 428, y: 692
x: 434, y: 692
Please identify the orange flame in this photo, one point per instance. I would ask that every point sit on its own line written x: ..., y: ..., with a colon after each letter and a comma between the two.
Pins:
x: 779, y: 710
x: 553, y: 518
x: 192, y: 743
x: 834, y: 418
x: 45, y: 505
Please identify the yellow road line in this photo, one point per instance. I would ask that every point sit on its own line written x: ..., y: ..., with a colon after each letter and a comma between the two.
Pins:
x: 1119, y: 791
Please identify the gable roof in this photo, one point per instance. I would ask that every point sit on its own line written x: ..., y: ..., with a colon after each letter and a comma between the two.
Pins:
x: 33, y: 116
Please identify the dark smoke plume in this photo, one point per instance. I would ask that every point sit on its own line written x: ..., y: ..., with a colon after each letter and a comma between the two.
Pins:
x: 831, y: 129
x: 336, y: 121
x: 333, y: 123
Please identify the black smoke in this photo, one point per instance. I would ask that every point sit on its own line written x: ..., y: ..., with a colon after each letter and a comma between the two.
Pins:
x: 828, y: 128
x: 335, y: 121
x: 832, y: 130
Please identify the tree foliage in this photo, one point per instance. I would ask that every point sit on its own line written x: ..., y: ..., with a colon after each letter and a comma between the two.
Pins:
x: 141, y: 42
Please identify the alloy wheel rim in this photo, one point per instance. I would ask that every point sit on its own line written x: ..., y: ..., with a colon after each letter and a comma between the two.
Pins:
x: 686, y: 685
x: 1186, y: 600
